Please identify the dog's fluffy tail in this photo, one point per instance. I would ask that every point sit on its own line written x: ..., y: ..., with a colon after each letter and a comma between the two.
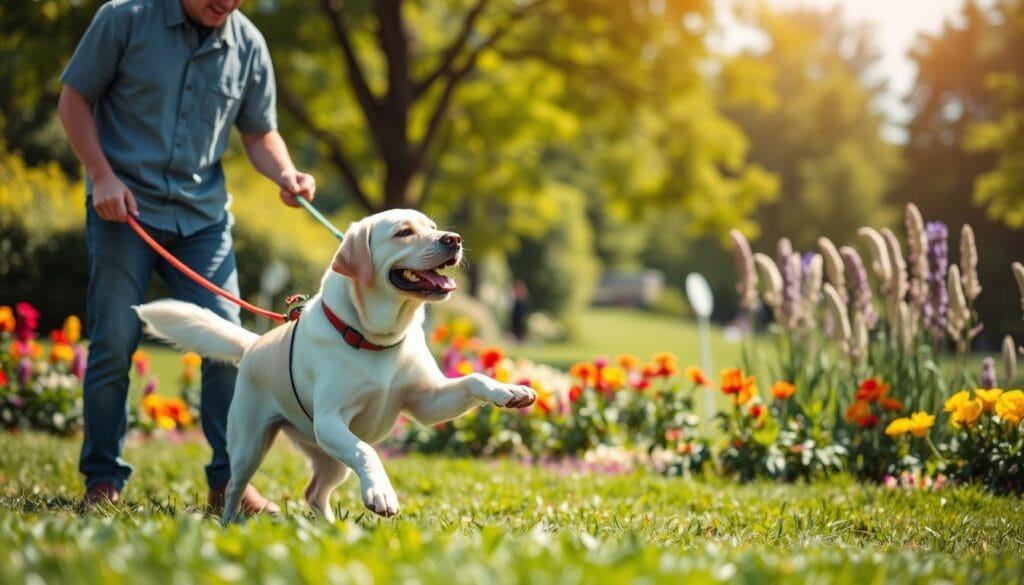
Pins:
x: 193, y: 328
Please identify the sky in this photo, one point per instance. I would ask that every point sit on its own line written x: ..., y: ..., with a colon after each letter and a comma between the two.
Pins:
x: 896, y: 24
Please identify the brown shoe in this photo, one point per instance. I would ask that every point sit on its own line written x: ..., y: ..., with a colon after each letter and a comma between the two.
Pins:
x: 100, y: 493
x: 252, y: 501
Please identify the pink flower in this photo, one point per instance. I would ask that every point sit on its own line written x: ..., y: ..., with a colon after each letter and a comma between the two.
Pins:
x: 28, y: 321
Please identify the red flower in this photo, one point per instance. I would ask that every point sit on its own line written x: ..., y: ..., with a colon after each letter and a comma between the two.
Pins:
x: 3, y: 378
x: 696, y: 375
x: 574, y: 393
x: 871, y: 390
x: 756, y: 411
x: 489, y: 357
x: 868, y: 421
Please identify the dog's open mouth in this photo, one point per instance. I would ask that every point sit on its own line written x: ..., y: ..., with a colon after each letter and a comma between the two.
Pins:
x: 424, y: 282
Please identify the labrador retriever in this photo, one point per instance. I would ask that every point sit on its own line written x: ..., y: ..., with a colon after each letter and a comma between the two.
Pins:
x: 336, y: 380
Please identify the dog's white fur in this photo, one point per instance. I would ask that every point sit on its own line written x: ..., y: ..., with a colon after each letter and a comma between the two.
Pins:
x: 353, y: 395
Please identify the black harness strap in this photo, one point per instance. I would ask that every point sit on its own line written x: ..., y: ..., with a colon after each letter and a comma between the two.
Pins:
x: 291, y: 375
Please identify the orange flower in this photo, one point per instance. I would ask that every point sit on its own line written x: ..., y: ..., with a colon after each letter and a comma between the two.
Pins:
x: 733, y: 381
x: 489, y: 357
x: 7, y: 322
x: 783, y: 390
x: 439, y: 334
x: 459, y: 342
x: 871, y: 390
x: 62, y: 352
x: 857, y: 411
x: 141, y: 360
x: 890, y: 404
x: 747, y: 392
x: 191, y: 360
x: 628, y: 361
x: 696, y: 375
x: 666, y: 363
x: 585, y: 372
x: 649, y: 370
x: 611, y: 379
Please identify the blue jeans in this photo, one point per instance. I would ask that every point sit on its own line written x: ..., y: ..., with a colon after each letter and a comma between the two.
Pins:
x: 120, y: 267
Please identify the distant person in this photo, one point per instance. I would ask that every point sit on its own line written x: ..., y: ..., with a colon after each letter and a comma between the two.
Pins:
x: 519, y: 310
x: 149, y: 99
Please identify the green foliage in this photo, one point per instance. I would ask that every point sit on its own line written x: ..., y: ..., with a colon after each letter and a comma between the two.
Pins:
x: 818, y: 131
x: 558, y: 265
x: 42, y: 256
x: 960, y: 141
x: 466, y: 521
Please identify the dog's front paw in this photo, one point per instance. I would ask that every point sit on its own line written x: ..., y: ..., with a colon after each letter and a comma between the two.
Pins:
x: 381, y: 499
x: 513, y: 396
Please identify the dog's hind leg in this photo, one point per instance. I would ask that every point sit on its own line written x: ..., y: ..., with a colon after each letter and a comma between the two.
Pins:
x: 328, y: 473
x: 250, y: 434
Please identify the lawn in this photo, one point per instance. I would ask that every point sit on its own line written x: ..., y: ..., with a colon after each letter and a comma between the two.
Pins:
x: 483, y: 521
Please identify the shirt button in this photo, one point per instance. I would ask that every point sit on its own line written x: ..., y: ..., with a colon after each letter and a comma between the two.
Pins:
x: 196, y: 178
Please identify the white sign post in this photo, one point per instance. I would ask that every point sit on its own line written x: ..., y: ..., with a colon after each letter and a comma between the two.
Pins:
x: 698, y: 293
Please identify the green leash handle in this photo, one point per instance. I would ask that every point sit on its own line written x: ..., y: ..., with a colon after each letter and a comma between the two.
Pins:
x: 319, y: 217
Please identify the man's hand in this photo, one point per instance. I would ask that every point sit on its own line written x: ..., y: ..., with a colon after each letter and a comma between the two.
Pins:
x: 295, y: 184
x: 112, y: 200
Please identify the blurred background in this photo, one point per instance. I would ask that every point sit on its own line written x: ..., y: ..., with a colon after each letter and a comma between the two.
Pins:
x: 591, y: 152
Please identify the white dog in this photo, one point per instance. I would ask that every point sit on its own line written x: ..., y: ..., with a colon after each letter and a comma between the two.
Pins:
x: 336, y: 380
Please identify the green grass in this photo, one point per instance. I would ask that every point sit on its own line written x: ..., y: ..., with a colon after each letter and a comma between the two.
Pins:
x: 611, y: 331
x: 481, y: 521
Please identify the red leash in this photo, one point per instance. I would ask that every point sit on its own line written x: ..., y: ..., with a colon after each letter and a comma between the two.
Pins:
x: 278, y: 317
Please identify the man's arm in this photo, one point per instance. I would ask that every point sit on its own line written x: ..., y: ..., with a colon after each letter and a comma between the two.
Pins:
x: 112, y: 200
x: 269, y: 155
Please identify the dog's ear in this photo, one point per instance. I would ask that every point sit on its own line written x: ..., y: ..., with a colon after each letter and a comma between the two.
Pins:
x: 353, y: 258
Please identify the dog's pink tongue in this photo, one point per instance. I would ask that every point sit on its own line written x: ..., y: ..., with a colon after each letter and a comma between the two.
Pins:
x: 441, y: 281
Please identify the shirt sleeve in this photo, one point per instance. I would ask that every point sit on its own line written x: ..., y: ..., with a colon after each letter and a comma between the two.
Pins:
x: 258, y: 111
x: 93, y: 66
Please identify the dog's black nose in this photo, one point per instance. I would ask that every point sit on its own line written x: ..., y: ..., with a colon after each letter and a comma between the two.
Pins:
x: 452, y: 240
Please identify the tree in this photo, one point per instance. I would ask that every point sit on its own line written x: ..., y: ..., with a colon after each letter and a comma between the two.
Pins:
x: 819, y: 129
x: 952, y: 95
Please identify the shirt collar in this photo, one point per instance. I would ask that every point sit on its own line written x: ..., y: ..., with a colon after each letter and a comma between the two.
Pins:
x: 176, y: 17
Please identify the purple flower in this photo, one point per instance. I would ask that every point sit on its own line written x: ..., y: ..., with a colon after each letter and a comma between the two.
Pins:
x: 78, y: 363
x: 24, y: 371
x: 791, y: 288
x: 988, y: 373
x: 150, y: 388
x: 860, y: 289
x: 938, y: 265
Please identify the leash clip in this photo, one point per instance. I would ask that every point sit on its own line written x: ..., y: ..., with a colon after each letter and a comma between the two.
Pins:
x: 295, y: 304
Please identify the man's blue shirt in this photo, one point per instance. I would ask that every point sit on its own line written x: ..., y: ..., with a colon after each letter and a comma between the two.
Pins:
x: 164, y: 104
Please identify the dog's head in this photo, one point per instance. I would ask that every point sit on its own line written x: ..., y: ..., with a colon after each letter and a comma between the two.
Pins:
x: 401, y: 249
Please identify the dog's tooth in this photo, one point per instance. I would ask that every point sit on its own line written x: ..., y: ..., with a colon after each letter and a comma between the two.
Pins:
x: 411, y: 276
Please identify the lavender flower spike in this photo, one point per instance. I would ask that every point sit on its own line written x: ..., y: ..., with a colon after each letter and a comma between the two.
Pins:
x: 746, y: 281
x: 988, y: 373
x: 860, y: 290
x: 969, y: 263
x: 772, y: 282
x: 938, y: 265
x: 1009, y: 361
x: 833, y: 266
x: 879, y: 258
x: 1018, y: 273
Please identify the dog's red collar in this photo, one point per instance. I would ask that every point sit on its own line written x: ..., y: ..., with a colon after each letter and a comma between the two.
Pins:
x: 349, y: 334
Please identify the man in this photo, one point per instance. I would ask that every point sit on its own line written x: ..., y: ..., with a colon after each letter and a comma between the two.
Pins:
x: 148, y: 102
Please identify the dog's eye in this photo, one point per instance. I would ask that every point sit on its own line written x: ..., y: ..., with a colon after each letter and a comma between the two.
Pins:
x: 404, y: 233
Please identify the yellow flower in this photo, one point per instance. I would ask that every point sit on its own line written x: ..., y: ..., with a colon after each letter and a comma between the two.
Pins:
x: 956, y: 400
x: 898, y: 427
x: 191, y: 360
x: 988, y: 397
x: 919, y: 423
x: 1011, y: 406
x: 464, y: 368
x: 61, y: 352
x: 462, y: 326
x: 73, y: 329
x: 166, y: 422
x: 152, y: 405
x: 966, y: 413
x: 502, y: 371
x: 612, y: 378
